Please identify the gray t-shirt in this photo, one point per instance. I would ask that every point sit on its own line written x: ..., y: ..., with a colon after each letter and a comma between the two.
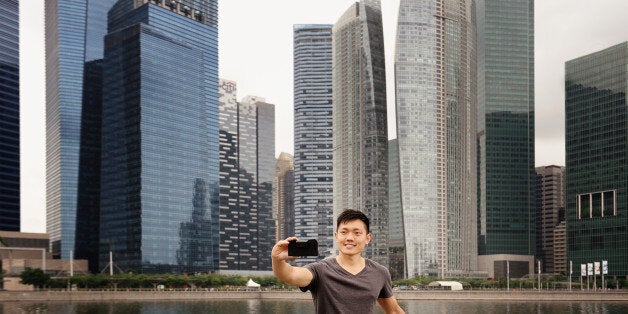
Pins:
x: 336, y: 290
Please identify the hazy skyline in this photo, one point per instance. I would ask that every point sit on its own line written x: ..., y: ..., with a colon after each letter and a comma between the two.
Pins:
x: 255, y: 50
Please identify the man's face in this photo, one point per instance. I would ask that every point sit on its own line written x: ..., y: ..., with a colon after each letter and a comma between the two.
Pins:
x: 351, y: 237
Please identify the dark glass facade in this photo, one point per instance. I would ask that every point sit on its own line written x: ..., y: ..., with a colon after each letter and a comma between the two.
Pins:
x: 505, y: 84
x: 247, y: 173
x: 74, y: 44
x: 313, y: 166
x: 596, y: 131
x: 9, y: 116
x: 159, y: 174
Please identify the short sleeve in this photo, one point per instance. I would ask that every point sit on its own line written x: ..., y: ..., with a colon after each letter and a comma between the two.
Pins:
x: 386, y: 291
x: 312, y: 268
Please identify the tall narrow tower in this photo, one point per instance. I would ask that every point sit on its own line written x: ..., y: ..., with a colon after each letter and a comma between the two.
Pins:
x: 75, y: 33
x: 506, y: 182
x: 284, y: 196
x: 9, y: 117
x: 313, y: 166
x: 360, y: 137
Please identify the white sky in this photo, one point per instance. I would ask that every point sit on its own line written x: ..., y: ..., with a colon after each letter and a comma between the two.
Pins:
x: 255, y: 44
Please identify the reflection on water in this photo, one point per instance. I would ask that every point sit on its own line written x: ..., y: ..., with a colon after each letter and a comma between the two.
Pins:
x: 304, y: 307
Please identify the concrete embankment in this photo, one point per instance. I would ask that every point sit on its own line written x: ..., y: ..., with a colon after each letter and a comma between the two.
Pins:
x: 97, y: 296
x: 513, y: 295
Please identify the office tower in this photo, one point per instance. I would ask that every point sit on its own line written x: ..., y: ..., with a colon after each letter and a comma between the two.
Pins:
x: 313, y: 166
x: 265, y: 181
x: 396, y: 243
x: 159, y: 193
x: 550, y: 206
x: 247, y: 173
x: 360, y: 134
x: 284, y: 196
x: 436, y: 112
x: 506, y: 208
x: 596, y: 134
x: 74, y: 49
x: 9, y: 117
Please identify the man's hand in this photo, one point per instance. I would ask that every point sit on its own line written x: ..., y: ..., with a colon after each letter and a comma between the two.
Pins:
x: 297, y: 276
x: 280, y: 250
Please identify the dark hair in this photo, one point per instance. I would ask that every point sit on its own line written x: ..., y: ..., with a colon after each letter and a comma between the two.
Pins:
x: 352, y: 214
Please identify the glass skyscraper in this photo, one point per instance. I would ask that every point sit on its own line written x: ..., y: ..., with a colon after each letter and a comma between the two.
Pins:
x: 436, y: 127
x: 75, y: 33
x: 360, y: 132
x: 313, y: 166
x: 596, y: 133
x: 9, y: 116
x: 247, y: 173
x: 159, y: 192
x: 506, y: 208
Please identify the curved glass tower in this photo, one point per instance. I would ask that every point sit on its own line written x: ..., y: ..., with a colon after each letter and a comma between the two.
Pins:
x: 360, y: 140
x: 435, y: 102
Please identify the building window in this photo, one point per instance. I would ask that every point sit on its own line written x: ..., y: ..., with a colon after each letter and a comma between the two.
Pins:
x: 597, y: 204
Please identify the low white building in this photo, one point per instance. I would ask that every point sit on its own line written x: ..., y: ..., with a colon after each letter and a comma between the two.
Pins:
x: 446, y: 285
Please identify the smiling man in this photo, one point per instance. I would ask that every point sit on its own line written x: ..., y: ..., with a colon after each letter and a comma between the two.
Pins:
x: 347, y: 283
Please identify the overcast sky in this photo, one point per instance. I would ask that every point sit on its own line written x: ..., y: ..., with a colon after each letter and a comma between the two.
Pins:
x: 255, y: 44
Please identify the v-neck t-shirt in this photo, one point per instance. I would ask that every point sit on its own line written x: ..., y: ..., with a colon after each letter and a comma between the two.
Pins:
x: 335, y: 290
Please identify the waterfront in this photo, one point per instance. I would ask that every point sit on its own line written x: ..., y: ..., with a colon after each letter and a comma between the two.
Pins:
x: 305, y: 306
x: 264, y: 302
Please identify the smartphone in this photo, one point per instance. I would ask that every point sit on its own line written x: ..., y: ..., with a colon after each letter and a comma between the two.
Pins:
x: 303, y: 248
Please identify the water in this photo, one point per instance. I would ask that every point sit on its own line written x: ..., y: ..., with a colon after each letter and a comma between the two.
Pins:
x: 305, y: 307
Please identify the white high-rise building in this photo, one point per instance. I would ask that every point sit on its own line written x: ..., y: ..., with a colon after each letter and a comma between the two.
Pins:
x: 436, y: 130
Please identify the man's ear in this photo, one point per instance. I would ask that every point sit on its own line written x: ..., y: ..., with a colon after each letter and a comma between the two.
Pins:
x: 369, y: 236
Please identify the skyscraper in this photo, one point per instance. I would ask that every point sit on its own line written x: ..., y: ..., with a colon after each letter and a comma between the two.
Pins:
x: 247, y: 173
x: 596, y: 133
x: 505, y: 138
x: 506, y: 209
x: 360, y: 134
x: 159, y: 192
x: 313, y: 166
x: 284, y: 196
x: 436, y: 127
x: 550, y: 206
x: 74, y: 50
x: 9, y: 117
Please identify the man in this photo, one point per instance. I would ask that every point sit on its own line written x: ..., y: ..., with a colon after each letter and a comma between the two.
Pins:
x: 347, y: 283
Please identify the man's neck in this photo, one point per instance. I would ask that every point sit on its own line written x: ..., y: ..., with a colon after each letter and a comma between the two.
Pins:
x: 351, y: 263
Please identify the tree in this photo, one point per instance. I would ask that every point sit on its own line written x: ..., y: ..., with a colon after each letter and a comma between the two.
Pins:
x: 35, y: 277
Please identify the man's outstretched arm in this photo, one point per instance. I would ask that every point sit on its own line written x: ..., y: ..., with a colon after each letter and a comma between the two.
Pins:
x: 390, y: 305
x: 297, y: 276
